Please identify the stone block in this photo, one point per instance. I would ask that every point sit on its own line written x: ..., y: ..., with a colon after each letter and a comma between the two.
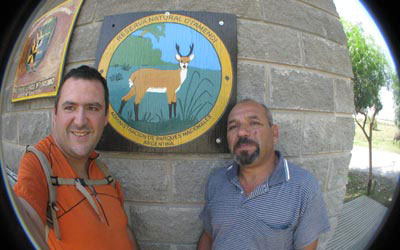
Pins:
x: 326, y: 5
x: 326, y: 133
x: 251, y: 82
x: 304, y: 17
x: 319, y: 167
x: 344, y: 96
x: 33, y: 126
x: 12, y: 155
x: 87, y: 12
x: 334, y: 30
x: 242, y: 8
x: 294, y: 14
x: 268, y: 43
x: 190, y: 177
x: 338, y: 176
x: 290, y: 133
x: 334, y: 201
x: 9, y: 127
x: 9, y: 106
x: 344, y: 135
x: 82, y: 46
x: 113, y: 7
x: 301, y: 90
x: 327, y: 56
x: 142, y: 180
x: 166, y: 223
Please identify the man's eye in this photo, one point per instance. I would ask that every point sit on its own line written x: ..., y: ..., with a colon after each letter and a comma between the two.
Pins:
x: 69, y: 108
x: 255, y: 123
x: 232, y: 127
x: 93, y: 108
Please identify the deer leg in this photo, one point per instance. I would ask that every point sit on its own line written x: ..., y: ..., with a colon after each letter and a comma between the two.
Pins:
x: 136, y: 109
x: 174, y: 103
x: 170, y: 110
x: 121, y: 107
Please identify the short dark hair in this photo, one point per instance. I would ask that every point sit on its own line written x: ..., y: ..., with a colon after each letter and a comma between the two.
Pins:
x: 87, y: 73
x: 267, y: 111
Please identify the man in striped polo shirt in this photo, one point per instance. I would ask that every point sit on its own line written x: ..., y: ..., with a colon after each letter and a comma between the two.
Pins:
x: 260, y: 201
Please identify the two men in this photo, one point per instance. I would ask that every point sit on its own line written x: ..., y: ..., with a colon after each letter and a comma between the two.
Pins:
x: 261, y: 201
x: 88, y: 216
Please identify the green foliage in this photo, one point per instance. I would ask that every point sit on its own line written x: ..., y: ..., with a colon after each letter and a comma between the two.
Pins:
x: 137, y: 51
x: 370, y: 68
x: 371, y: 72
x: 396, y: 95
x: 157, y: 30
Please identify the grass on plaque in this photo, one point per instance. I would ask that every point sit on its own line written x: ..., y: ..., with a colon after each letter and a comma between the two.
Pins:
x: 382, y: 138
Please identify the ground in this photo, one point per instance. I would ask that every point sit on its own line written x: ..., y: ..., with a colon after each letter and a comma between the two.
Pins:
x: 386, y: 165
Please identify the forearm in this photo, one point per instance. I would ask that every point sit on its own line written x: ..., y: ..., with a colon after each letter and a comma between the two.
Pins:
x: 32, y: 221
x: 133, y: 239
x: 205, y: 241
x: 312, y: 246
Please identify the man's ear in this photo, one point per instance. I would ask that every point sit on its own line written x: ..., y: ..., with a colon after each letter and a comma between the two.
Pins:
x: 53, y: 116
x: 107, y: 115
x: 275, y: 133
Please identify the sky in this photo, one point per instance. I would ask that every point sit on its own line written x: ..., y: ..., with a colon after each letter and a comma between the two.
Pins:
x: 184, y: 37
x: 354, y: 11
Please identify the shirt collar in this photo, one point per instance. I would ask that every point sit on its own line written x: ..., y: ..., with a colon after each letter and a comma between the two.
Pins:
x: 280, y: 174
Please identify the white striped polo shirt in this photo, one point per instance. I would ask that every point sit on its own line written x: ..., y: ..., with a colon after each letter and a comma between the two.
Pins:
x: 287, y: 211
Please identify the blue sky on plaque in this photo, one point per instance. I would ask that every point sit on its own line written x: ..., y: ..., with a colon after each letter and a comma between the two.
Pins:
x: 184, y: 37
x: 155, y: 47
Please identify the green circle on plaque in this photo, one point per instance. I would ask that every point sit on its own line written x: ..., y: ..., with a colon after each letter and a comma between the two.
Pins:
x: 169, y: 77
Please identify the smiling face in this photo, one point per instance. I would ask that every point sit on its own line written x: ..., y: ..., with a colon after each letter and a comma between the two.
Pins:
x: 250, y: 137
x: 80, y: 118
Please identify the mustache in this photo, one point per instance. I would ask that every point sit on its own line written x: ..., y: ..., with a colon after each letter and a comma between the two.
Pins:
x: 244, y: 140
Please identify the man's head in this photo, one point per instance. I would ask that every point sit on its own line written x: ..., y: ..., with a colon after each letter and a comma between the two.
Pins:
x: 251, y: 133
x: 87, y: 73
x: 80, y: 113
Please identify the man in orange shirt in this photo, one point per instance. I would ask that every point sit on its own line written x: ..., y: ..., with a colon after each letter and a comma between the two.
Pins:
x: 88, y: 216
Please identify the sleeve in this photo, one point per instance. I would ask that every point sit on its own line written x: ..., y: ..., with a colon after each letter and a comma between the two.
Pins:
x: 32, y: 185
x: 313, y: 221
x: 205, y: 214
x: 119, y: 192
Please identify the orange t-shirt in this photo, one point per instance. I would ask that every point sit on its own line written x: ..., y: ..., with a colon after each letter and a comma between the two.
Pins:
x: 80, y: 226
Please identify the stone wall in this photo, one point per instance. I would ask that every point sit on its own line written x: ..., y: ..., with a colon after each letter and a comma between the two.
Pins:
x: 291, y: 55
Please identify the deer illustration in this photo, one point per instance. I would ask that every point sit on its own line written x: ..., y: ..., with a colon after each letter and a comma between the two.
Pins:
x: 158, y: 81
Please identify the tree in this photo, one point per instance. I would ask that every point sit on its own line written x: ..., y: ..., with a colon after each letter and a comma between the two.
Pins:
x: 371, y: 72
x: 396, y: 95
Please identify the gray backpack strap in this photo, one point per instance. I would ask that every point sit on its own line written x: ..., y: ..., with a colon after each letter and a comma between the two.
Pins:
x: 103, y: 168
x: 52, y: 192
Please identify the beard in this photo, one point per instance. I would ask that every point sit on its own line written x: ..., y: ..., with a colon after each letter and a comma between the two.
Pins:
x: 245, y: 158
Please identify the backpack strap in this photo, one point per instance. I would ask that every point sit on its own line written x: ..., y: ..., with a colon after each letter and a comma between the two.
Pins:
x: 79, y: 183
x: 103, y: 168
x: 52, y: 192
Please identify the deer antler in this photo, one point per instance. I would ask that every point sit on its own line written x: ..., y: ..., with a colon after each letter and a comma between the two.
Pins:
x: 177, y: 50
x: 190, y: 52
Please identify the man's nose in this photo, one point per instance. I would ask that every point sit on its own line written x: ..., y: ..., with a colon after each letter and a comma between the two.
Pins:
x: 80, y: 117
x: 243, y: 130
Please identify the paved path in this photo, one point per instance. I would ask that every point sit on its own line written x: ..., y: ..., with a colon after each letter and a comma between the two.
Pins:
x: 383, y: 163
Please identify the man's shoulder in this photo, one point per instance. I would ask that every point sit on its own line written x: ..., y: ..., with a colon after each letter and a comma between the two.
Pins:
x: 220, y: 172
x: 44, y: 144
x: 303, y: 177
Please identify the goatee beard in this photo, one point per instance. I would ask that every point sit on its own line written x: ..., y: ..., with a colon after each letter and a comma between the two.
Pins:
x: 244, y: 158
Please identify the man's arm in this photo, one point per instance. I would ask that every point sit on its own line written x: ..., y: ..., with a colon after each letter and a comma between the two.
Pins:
x: 32, y: 221
x: 132, y: 238
x: 312, y: 246
x: 205, y: 241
